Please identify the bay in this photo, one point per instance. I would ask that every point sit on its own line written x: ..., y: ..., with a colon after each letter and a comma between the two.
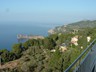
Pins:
x: 10, y: 30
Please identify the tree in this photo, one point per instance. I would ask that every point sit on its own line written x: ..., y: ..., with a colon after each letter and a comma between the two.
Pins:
x: 54, y: 37
x: 56, y: 61
x: 5, y: 55
x: 49, y: 43
x: 17, y: 49
x: 25, y: 45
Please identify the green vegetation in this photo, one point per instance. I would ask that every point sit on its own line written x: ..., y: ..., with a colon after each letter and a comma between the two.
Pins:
x: 37, y: 56
x: 7, y: 56
x: 75, y: 26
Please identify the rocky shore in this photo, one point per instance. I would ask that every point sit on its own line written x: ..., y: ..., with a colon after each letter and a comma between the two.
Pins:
x: 20, y: 36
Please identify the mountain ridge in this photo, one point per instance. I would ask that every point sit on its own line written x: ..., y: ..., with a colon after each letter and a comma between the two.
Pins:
x: 70, y: 27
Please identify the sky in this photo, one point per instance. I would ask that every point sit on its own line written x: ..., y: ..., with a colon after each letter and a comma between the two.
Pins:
x: 47, y: 11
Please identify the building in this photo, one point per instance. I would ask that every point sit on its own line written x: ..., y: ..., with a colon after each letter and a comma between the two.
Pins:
x: 74, y: 40
x: 63, y: 47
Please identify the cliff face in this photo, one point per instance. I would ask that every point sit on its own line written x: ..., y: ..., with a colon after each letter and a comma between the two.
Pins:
x: 73, y: 27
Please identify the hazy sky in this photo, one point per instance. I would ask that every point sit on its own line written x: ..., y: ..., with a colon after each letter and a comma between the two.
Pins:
x: 47, y: 11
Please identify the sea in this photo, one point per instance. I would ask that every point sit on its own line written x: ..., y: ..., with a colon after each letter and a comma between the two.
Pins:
x: 10, y: 30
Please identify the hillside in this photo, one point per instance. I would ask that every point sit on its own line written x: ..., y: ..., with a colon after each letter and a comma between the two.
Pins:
x: 73, y: 26
x: 54, y: 53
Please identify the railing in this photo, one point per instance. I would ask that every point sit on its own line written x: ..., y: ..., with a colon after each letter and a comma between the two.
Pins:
x: 76, y: 63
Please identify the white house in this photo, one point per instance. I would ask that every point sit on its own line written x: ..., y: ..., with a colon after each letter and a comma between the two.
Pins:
x: 74, y: 40
x: 53, y: 50
x: 88, y: 39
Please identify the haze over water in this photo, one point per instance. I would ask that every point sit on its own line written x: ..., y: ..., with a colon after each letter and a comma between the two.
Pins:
x: 38, y: 16
x: 10, y: 30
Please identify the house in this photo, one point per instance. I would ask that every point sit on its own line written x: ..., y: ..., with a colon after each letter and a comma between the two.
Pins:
x: 63, y: 47
x: 88, y: 39
x: 81, y: 47
x: 74, y: 40
x: 53, y: 50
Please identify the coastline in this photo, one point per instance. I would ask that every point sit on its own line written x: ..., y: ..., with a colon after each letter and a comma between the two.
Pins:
x: 20, y: 36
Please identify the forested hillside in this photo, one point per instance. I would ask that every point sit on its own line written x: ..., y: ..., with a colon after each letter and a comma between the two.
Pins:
x: 73, y: 26
x: 54, y: 53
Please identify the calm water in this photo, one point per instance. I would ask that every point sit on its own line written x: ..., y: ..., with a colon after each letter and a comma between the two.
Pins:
x: 9, y: 31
